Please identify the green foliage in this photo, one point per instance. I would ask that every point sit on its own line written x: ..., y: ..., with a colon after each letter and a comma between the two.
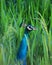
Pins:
x: 36, y: 12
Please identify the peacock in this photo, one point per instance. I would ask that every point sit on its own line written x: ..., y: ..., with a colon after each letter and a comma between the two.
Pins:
x: 22, y: 51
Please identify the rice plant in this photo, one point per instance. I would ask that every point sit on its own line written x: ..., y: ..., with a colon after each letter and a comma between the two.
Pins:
x: 38, y: 13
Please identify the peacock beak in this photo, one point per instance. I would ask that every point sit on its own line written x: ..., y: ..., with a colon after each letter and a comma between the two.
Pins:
x: 34, y: 28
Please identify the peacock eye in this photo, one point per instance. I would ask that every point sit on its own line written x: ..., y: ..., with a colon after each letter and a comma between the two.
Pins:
x: 29, y: 27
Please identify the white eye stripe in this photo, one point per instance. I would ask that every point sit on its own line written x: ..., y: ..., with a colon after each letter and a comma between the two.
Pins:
x: 29, y: 28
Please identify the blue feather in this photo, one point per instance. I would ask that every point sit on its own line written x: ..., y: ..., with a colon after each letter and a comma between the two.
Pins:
x: 22, y: 52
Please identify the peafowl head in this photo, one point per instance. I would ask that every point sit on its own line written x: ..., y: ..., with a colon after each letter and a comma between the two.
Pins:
x: 28, y: 28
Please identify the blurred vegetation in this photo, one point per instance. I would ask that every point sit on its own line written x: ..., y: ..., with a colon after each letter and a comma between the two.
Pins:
x: 36, y: 12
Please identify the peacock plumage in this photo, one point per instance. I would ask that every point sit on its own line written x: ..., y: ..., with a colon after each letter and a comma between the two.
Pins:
x: 22, y: 52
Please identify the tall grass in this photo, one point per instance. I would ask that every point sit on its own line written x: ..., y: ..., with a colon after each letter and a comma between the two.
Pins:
x: 36, y: 12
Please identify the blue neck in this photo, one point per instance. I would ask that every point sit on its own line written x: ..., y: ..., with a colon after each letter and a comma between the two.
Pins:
x: 26, y: 32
